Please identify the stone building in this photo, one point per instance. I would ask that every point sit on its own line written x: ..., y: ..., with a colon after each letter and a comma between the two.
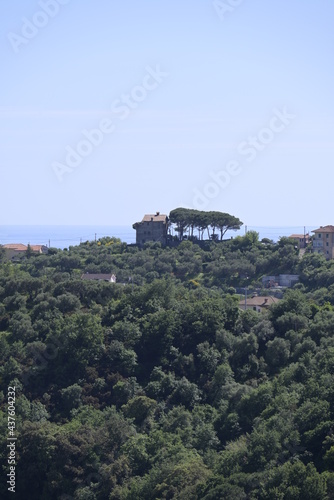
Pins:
x: 152, y: 228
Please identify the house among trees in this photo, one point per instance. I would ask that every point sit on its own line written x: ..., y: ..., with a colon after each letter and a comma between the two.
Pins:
x: 302, y: 239
x: 323, y: 242
x: 16, y: 251
x: 151, y: 228
x: 111, y: 278
x: 258, y: 304
x: 282, y: 280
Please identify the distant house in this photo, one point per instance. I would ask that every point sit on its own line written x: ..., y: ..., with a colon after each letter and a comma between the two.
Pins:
x: 111, y: 278
x: 258, y: 304
x: 16, y: 251
x: 302, y: 239
x: 283, y: 280
x: 323, y: 241
x: 39, y: 248
x: 151, y: 228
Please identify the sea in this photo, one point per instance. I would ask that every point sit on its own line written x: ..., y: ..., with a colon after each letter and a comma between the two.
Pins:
x: 63, y: 236
x: 66, y: 236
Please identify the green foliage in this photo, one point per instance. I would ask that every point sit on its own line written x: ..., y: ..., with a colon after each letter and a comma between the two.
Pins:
x: 159, y: 386
x: 185, y: 218
x: 139, y: 408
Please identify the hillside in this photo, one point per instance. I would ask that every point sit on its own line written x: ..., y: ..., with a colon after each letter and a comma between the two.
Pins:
x: 159, y: 386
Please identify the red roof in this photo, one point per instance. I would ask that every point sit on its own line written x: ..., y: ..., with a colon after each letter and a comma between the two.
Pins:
x: 298, y: 236
x: 19, y: 247
x: 154, y: 217
x: 324, y: 229
x: 16, y: 246
x: 37, y: 248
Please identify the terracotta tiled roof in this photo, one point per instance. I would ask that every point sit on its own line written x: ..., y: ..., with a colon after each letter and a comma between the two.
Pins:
x: 298, y: 236
x: 19, y: 247
x: 260, y: 301
x: 16, y: 246
x: 156, y: 217
x: 36, y: 248
x: 324, y: 229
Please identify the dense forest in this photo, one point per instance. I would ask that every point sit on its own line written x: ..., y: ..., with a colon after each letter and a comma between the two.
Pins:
x: 159, y: 386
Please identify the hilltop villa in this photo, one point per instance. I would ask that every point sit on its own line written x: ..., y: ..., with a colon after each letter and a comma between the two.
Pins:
x: 151, y: 228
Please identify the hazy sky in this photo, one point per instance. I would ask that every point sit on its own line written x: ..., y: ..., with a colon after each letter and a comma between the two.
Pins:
x: 215, y: 105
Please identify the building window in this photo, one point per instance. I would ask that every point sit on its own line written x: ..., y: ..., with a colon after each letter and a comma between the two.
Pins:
x: 327, y: 235
x: 319, y: 235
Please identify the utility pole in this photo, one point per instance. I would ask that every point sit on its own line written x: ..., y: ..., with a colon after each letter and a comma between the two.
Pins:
x: 246, y: 289
x: 95, y: 236
x: 304, y: 238
x: 49, y: 243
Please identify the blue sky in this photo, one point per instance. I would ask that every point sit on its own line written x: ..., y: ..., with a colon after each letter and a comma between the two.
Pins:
x: 68, y: 65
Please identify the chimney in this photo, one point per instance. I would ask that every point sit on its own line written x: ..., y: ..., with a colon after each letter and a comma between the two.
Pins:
x: 158, y: 213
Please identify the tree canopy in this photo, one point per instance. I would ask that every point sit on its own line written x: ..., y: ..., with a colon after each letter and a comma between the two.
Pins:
x: 185, y: 218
